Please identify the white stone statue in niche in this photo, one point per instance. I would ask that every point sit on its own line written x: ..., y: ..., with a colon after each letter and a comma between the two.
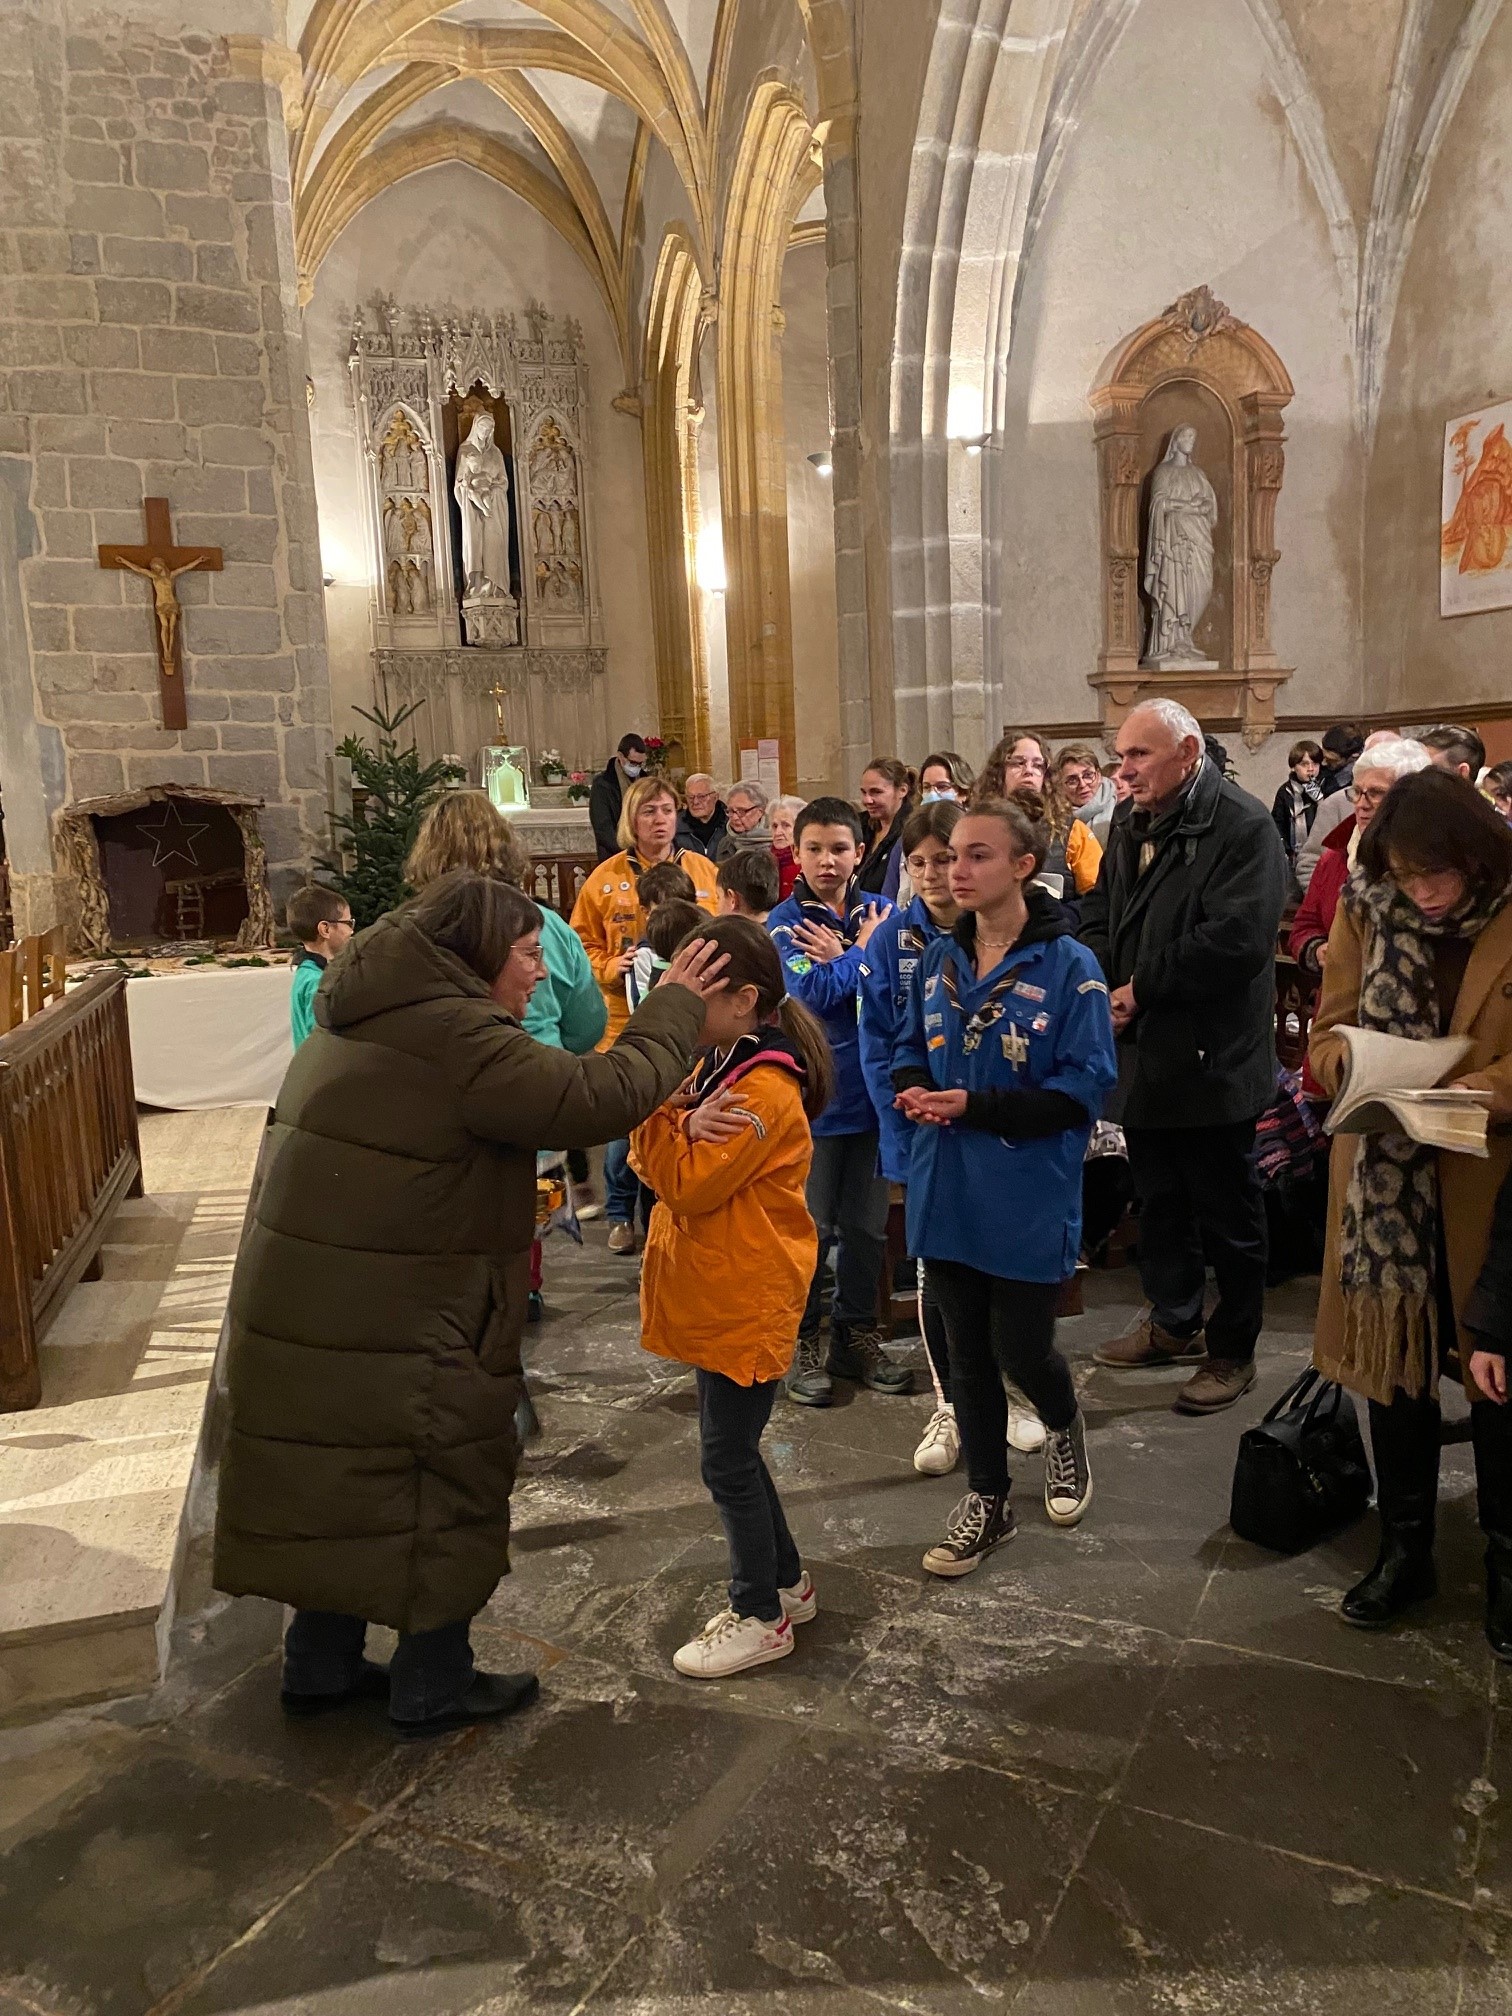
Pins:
x: 1178, y: 571
x: 482, y: 493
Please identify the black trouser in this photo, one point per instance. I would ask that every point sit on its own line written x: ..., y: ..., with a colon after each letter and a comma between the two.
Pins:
x: 763, y: 1559
x: 1000, y: 1329
x: 1200, y: 1202
x: 1405, y: 1440
x: 936, y: 1342
x: 847, y: 1199
x: 577, y: 1165
x: 429, y: 1672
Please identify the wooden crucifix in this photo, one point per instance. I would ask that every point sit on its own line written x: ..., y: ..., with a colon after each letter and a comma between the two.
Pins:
x: 161, y: 563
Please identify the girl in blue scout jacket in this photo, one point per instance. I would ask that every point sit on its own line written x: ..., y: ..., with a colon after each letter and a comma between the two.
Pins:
x: 889, y: 961
x: 1004, y: 1059
x: 821, y: 933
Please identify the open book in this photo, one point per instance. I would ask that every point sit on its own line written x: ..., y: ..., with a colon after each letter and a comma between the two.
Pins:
x: 1391, y: 1086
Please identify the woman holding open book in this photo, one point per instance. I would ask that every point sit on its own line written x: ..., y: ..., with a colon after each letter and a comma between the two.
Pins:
x: 1421, y: 948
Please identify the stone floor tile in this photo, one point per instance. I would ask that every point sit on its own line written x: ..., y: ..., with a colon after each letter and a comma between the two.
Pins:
x: 596, y: 1788
x: 1490, y: 1801
x: 1354, y: 1771
x: 1162, y: 1919
x: 407, y: 1924
x: 150, y: 1867
x: 1022, y: 1689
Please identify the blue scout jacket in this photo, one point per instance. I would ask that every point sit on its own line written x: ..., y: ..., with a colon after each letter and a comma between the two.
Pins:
x: 830, y: 992
x: 1001, y: 1189
x: 891, y: 958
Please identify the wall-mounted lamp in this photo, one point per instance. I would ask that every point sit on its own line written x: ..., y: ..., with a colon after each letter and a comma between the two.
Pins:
x: 709, y: 560
x: 328, y: 580
x: 822, y: 463
x: 973, y: 443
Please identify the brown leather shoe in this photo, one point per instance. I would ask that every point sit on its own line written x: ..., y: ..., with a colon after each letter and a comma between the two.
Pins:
x: 1219, y: 1384
x: 1150, y: 1345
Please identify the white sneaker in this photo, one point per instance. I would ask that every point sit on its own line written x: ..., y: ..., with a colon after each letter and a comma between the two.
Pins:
x: 586, y: 1205
x: 940, y: 1449
x: 729, y: 1644
x: 1026, y: 1431
x: 799, y: 1604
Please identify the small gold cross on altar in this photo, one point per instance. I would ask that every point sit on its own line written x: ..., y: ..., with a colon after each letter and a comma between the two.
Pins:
x: 161, y: 563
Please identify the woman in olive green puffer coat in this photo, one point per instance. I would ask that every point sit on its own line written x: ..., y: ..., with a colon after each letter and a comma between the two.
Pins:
x: 378, y: 1300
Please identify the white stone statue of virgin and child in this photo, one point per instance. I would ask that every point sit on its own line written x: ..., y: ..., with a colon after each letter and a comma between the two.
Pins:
x: 481, y: 489
x: 1178, y: 570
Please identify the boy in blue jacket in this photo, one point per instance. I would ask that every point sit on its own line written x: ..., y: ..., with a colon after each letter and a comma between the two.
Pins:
x: 820, y: 933
x: 1004, y: 1059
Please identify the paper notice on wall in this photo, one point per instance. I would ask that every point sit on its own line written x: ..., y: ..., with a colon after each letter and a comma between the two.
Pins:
x: 769, y: 767
x: 750, y: 764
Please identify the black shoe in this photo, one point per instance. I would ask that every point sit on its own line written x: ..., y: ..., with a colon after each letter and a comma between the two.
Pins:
x: 526, y: 1420
x: 371, y: 1684
x: 1499, y: 1595
x: 858, y: 1354
x: 489, y: 1696
x: 535, y: 1306
x: 807, y: 1381
x: 1404, y: 1574
x: 977, y: 1525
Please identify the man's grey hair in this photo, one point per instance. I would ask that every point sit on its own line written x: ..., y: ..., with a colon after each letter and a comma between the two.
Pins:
x: 1180, y: 720
x: 700, y: 777
x: 753, y: 793
x: 1396, y: 757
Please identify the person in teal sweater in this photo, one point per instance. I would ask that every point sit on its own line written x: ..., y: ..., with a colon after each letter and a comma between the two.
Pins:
x: 322, y: 922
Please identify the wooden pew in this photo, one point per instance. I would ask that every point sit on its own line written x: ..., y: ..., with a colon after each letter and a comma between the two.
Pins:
x: 69, y: 1153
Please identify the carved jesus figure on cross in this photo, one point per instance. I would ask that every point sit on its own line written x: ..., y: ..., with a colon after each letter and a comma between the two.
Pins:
x: 161, y: 563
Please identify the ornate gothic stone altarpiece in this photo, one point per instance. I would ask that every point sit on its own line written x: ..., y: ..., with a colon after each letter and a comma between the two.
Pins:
x: 489, y: 661
x: 1196, y: 390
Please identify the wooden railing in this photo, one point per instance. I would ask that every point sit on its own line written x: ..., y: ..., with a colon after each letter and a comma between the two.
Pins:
x: 69, y: 1153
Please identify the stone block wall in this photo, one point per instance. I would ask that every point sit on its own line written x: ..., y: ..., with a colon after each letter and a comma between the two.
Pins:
x: 150, y: 345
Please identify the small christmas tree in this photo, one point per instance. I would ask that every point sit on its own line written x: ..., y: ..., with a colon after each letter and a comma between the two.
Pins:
x: 378, y: 833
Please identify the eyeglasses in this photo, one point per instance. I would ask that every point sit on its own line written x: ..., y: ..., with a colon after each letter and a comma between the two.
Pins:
x: 1372, y: 797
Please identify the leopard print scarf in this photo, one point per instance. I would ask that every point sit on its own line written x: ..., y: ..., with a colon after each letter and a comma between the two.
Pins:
x: 1389, y: 1228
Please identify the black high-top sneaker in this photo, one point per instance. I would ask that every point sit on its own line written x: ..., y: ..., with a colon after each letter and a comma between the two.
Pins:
x: 859, y: 1354
x: 977, y: 1525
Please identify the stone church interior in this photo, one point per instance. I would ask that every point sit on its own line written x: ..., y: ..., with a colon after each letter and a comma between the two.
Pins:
x: 413, y: 396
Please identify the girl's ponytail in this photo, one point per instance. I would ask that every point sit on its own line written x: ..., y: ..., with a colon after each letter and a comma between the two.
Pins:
x: 806, y: 1034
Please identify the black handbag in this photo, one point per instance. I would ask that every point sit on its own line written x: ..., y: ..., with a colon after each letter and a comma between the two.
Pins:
x: 1302, y: 1472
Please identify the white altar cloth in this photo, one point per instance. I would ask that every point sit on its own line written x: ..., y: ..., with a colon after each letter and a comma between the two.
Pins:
x: 216, y: 1037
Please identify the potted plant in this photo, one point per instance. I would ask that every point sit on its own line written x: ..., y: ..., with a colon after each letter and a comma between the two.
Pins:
x: 551, y: 767
x: 579, y: 785
x: 655, y: 749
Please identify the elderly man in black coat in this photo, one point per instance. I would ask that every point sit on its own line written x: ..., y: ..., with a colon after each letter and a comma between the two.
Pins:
x: 1183, y: 919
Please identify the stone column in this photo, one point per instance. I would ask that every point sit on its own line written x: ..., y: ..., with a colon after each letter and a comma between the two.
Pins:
x: 150, y: 344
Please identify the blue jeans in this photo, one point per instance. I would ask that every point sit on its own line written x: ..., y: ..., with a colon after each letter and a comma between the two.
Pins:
x: 624, y: 1192
x: 429, y: 1672
x: 763, y: 1559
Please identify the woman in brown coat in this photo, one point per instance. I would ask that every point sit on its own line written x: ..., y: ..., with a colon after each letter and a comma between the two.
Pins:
x: 374, y: 1356
x: 1421, y: 946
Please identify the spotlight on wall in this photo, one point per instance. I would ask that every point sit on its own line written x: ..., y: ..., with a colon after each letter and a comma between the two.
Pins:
x: 328, y: 580
x: 973, y: 443
x: 709, y: 560
x: 821, y: 461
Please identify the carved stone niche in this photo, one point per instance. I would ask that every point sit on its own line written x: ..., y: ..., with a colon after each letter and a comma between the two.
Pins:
x: 1199, y: 366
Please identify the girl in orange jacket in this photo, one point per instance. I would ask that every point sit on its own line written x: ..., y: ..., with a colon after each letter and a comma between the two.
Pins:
x: 728, y: 1159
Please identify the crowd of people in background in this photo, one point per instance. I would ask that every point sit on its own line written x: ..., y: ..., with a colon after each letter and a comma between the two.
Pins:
x: 784, y: 1016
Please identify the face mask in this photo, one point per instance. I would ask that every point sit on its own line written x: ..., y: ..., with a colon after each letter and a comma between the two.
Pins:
x: 633, y: 769
x: 935, y: 797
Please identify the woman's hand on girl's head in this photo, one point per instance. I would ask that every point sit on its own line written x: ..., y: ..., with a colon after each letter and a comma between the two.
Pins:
x: 713, y: 1121
x: 698, y: 966
x: 1489, y: 1371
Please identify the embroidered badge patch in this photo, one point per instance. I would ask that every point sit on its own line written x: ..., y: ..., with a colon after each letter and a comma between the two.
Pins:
x: 931, y: 986
x: 1028, y: 992
x: 1015, y: 1046
x: 936, y: 1043
x: 1040, y: 1023
x: 1092, y: 987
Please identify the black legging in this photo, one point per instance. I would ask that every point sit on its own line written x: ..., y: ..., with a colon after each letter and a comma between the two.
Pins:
x: 999, y: 1328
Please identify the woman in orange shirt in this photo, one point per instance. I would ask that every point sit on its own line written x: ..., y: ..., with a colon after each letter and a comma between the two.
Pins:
x: 611, y: 922
x: 728, y: 1158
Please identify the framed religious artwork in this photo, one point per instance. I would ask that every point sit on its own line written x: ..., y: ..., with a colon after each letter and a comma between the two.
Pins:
x: 1475, y: 527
